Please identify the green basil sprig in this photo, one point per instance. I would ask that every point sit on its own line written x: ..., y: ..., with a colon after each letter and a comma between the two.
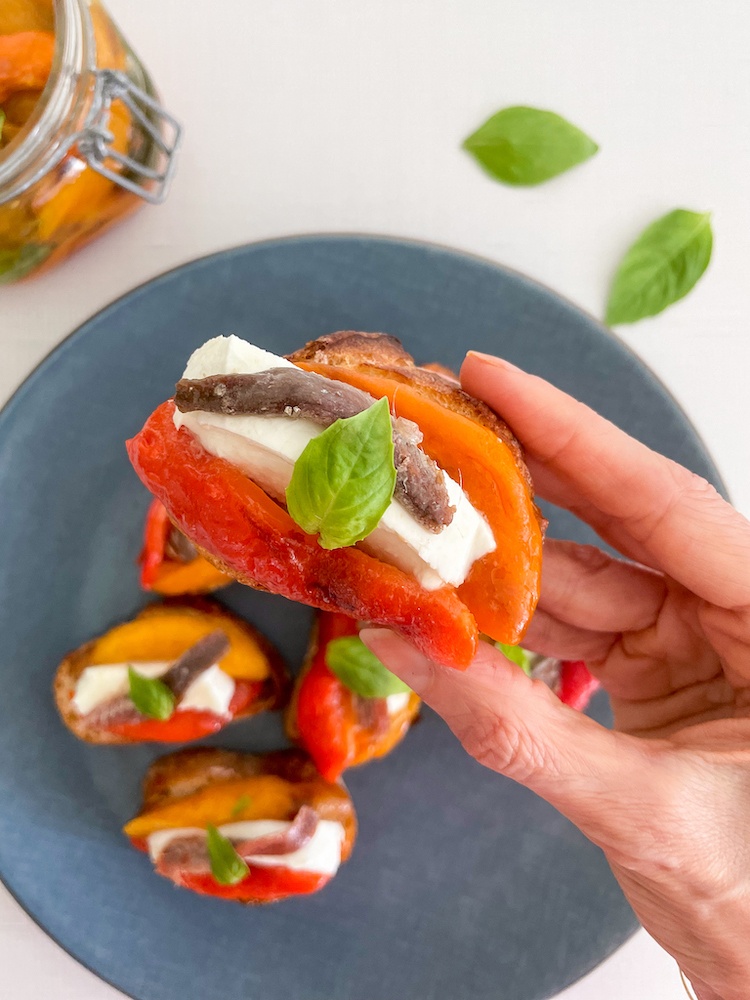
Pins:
x: 360, y: 670
x: 518, y: 655
x: 343, y: 481
x: 16, y: 264
x: 661, y: 267
x: 227, y: 867
x: 240, y: 805
x: 150, y: 696
x: 526, y: 146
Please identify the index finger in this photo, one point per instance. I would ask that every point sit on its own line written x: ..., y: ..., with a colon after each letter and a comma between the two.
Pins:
x: 678, y: 519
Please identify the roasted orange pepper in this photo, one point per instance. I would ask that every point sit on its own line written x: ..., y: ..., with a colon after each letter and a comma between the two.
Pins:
x: 264, y: 796
x: 229, y: 517
x: 26, y: 15
x: 72, y: 203
x: 165, y: 574
x: 25, y: 61
x: 323, y: 716
x: 502, y: 588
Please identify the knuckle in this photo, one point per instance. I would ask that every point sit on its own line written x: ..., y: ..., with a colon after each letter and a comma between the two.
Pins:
x: 504, y: 745
x: 589, y: 557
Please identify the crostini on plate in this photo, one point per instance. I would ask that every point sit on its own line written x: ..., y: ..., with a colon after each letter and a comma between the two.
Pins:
x: 180, y: 670
x: 348, y: 478
x: 247, y: 827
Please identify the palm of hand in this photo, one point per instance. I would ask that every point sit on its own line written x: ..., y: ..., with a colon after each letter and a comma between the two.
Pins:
x: 669, y: 677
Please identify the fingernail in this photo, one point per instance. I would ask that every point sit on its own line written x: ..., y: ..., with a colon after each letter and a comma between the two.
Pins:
x: 492, y: 361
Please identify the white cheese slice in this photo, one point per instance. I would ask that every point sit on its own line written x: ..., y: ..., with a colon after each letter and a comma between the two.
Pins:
x: 212, y: 691
x: 321, y: 855
x: 397, y: 702
x: 265, y: 448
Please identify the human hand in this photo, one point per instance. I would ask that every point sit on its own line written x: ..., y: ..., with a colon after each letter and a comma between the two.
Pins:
x: 666, y: 796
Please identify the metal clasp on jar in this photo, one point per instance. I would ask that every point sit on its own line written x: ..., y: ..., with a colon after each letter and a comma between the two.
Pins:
x: 157, y: 126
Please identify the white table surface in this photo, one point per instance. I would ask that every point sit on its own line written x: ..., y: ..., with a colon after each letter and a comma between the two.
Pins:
x: 336, y: 116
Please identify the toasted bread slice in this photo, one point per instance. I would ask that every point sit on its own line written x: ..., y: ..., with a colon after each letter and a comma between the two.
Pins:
x: 273, y: 694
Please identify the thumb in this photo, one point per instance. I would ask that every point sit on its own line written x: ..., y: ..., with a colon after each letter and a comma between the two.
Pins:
x: 607, y: 783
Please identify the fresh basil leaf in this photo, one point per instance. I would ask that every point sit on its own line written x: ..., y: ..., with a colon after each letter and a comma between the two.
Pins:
x: 343, y: 481
x: 525, y: 146
x: 150, y: 696
x: 360, y: 670
x: 661, y: 266
x: 227, y: 867
x: 518, y: 655
x: 16, y: 264
x: 240, y: 805
x: 2, y: 122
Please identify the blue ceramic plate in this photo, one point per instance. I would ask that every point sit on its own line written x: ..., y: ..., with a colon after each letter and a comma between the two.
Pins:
x: 462, y: 884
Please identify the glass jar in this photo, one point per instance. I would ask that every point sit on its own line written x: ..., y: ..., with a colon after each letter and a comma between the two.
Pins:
x: 96, y: 144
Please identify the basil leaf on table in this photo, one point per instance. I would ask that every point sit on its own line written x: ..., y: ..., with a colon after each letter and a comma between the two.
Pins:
x: 518, y: 655
x: 227, y: 867
x: 526, y: 146
x: 343, y: 481
x: 360, y: 670
x: 661, y: 267
x: 150, y: 696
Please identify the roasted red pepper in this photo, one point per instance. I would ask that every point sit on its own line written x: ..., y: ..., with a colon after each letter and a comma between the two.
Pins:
x: 323, y: 715
x: 155, y: 536
x: 189, y: 724
x: 263, y: 884
x: 167, y: 575
x: 577, y: 684
x: 229, y: 517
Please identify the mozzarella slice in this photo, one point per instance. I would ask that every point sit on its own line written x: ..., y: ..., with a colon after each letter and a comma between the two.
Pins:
x: 321, y: 855
x: 212, y: 691
x: 265, y: 448
x: 397, y: 702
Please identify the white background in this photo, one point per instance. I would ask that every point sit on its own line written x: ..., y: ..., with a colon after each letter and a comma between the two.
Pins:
x: 347, y: 115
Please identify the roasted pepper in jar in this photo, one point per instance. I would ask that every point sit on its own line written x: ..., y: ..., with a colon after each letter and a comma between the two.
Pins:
x: 81, y: 138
